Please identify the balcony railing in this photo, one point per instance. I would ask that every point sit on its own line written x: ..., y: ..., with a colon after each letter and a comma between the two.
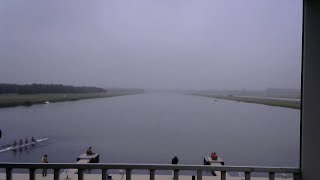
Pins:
x: 57, y: 167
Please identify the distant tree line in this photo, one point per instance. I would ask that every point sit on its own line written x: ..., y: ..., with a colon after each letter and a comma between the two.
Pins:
x: 270, y: 92
x: 46, y: 88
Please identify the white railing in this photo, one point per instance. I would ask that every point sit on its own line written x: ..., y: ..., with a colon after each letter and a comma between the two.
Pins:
x: 57, y: 167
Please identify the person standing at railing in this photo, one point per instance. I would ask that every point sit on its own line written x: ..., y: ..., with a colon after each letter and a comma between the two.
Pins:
x: 174, y: 160
x: 44, y: 160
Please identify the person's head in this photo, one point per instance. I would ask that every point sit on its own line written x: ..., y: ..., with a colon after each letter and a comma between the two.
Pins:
x: 45, y: 155
x: 214, y: 153
x: 90, y: 147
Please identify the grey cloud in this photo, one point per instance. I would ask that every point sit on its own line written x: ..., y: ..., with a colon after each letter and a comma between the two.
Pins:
x: 223, y: 44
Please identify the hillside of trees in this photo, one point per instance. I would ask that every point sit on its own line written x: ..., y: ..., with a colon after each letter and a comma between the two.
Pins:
x: 46, y: 88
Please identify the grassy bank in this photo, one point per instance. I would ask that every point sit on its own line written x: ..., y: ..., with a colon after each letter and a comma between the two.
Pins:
x: 270, y: 102
x: 11, y: 100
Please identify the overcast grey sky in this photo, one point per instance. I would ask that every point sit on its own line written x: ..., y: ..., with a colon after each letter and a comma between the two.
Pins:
x: 198, y: 44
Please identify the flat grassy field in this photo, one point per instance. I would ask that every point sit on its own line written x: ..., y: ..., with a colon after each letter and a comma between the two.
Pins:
x: 11, y: 100
x: 270, y: 102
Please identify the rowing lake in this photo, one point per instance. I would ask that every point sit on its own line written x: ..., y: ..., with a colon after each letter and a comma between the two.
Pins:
x: 152, y: 128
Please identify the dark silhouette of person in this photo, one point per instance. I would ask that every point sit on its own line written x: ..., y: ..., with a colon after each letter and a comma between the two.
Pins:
x: 89, y: 151
x: 175, y: 160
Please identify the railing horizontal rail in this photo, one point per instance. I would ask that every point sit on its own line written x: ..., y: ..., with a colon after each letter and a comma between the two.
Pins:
x: 149, y: 167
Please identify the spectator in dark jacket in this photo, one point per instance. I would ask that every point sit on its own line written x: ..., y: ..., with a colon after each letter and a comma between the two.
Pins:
x: 175, y: 160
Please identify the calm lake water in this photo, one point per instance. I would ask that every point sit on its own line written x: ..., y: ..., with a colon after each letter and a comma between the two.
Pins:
x: 152, y: 128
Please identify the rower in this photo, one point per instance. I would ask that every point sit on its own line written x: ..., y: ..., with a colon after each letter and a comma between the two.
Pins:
x: 21, y: 142
x: 27, y: 141
x: 14, y: 143
x: 33, y: 139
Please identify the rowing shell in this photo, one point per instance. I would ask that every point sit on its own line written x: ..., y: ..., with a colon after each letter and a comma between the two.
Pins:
x: 22, y: 146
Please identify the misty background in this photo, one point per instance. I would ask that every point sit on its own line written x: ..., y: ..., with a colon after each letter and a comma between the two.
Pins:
x: 167, y: 44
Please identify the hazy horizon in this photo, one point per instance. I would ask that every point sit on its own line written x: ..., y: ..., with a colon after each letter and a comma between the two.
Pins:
x: 170, y: 44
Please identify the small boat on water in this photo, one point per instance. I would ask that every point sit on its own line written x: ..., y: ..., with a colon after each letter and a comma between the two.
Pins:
x: 23, y: 145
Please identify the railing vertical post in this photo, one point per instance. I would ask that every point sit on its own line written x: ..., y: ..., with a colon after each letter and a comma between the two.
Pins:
x: 247, y: 175
x: 128, y: 174
x: 175, y: 174
x: 296, y: 176
x: 8, y: 174
x: 199, y: 175
x: 104, y: 174
x: 223, y: 175
x: 32, y: 174
x: 56, y: 174
x: 152, y: 174
x: 80, y: 174
x: 271, y: 175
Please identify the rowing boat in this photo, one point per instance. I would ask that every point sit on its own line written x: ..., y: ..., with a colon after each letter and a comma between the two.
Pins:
x: 23, y: 145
